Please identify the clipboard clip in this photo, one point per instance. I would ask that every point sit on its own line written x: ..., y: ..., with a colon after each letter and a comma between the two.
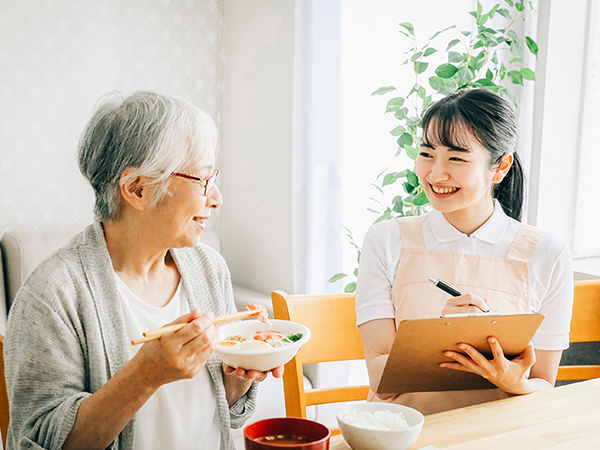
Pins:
x: 446, y: 316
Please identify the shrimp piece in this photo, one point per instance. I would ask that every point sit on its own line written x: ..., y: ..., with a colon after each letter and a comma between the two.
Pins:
x: 262, y: 315
x: 270, y: 337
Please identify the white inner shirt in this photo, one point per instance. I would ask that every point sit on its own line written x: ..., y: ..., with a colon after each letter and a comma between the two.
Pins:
x: 182, y: 414
x: 550, y: 268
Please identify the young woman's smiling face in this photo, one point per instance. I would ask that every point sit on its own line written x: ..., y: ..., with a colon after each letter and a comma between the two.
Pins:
x: 457, y: 179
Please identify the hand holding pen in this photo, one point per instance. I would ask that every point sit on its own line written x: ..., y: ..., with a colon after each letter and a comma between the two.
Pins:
x: 467, y: 300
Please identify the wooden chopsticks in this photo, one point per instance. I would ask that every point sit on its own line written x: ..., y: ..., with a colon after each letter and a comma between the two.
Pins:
x: 152, y: 335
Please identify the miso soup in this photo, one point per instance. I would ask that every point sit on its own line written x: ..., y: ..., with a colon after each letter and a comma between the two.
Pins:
x: 283, y: 440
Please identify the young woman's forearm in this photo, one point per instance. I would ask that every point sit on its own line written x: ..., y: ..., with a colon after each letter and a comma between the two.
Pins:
x: 104, y: 414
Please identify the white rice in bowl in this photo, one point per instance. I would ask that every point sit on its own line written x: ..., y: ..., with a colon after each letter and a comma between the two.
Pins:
x: 378, y: 420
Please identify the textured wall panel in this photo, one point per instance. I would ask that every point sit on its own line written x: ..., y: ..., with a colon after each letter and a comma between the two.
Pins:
x: 58, y: 57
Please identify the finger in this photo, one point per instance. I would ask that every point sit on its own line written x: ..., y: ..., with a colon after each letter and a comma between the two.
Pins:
x: 496, y: 348
x: 456, y: 366
x: 256, y: 375
x: 474, y: 354
x: 186, y: 318
x: 228, y: 370
x: 528, y: 356
x: 278, y: 371
x: 197, y: 334
x: 461, y: 360
x: 466, y: 303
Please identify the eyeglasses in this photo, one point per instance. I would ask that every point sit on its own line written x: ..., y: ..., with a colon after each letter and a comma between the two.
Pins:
x: 205, y: 183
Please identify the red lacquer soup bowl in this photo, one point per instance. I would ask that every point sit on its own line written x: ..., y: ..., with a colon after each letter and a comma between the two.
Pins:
x: 286, y: 433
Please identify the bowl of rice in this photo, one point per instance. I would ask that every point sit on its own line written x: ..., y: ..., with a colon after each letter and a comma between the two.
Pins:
x: 254, y: 345
x: 377, y: 426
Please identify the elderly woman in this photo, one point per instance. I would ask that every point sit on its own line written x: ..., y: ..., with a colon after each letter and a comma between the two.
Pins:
x: 73, y: 378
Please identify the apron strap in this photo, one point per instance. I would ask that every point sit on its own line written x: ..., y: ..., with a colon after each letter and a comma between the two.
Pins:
x: 411, y: 232
x: 524, y: 243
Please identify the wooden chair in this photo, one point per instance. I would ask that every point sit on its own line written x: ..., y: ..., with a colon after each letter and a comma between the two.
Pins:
x: 335, y: 337
x: 3, y: 396
x: 585, y: 327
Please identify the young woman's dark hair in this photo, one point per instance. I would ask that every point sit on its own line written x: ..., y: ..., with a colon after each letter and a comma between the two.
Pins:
x: 492, y: 121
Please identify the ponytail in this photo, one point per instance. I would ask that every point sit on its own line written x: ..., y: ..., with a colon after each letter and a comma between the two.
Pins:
x: 510, y: 192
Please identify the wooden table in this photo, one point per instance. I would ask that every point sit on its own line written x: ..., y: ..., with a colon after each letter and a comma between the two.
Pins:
x: 563, y: 418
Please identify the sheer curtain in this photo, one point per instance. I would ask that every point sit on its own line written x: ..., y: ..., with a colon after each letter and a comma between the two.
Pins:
x: 316, y: 183
x: 586, y: 242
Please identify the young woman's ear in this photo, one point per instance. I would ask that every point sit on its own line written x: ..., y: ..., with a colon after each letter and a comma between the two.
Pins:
x: 133, y: 190
x: 503, y: 168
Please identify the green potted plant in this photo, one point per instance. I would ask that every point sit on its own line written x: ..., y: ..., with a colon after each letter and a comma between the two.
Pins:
x: 490, y: 57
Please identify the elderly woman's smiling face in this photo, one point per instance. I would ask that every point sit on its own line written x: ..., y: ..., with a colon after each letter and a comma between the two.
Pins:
x: 180, y: 217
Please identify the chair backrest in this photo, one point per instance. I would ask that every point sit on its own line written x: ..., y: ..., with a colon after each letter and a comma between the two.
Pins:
x: 585, y: 327
x: 4, y: 415
x: 335, y: 337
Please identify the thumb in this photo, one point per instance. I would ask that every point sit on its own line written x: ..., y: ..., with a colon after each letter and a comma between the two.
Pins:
x: 528, y: 355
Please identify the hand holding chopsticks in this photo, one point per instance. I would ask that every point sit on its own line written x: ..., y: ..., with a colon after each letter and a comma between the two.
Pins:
x: 152, y: 335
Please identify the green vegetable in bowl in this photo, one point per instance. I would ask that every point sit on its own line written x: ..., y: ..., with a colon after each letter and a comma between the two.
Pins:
x: 293, y: 337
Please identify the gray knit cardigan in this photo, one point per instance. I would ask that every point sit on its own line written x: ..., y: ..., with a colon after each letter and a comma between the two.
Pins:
x: 66, y: 337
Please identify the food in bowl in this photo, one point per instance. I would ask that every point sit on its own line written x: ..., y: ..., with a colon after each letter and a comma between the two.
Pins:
x: 254, y: 345
x: 376, y: 426
x: 378, y: 420
x: 286, y: 432
x: 260, y: 340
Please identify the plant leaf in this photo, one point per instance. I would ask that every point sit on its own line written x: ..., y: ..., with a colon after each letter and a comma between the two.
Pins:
x: 445, y: 71
x: 412, y: 178
x: 384, y: 90
x: 409, y: 27
x: 531, y: 45
x: 398, y: 204
x: 429, y: 51
x: 452, y: 43
x: 528, y: 74
x: 405, y: 139
x: 394, y: 104
x: 398, y: 130
x: 455, y: 57
x: 515, y: 76
x: 416, y: 56
x: 350, y: 287
x: 420, y: 67
x: 336, y: 277
x: 418, y: 200
x: 411, y: 152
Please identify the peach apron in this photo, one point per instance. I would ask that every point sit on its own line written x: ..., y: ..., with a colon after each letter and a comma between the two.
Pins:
x: 503, y: 281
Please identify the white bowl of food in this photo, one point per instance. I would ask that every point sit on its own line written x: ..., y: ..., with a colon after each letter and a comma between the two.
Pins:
x: 254, y: 345
x: 376, y: 426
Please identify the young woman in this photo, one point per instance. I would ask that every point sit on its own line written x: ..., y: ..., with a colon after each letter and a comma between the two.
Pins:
x: 473, y: 239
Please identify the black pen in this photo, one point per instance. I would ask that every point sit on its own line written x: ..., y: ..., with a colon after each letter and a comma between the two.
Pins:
x: 449, y: 289
x: 446, y: 287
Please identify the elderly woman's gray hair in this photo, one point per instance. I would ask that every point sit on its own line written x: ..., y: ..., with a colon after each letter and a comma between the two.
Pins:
x: 152, y: 133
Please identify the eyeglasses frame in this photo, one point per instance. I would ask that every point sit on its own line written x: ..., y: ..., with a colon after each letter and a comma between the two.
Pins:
x: 209, y: 182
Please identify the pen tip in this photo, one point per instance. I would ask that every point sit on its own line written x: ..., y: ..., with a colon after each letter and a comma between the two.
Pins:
x: 433, y: 280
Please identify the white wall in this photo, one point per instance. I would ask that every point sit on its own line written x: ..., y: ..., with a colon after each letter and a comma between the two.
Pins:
x: 256, y: 216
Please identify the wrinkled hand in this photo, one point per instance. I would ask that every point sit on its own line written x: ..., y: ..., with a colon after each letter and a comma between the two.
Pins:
x: 181, y: 354
x: 464, y: 304
x: 251, y: 375
x: 508, y: 375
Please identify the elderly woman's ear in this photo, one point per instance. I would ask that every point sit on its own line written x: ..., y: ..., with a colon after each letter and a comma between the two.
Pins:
x: 133, y: 191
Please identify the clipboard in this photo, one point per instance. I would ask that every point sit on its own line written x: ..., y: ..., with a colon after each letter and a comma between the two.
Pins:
x: 419, y: 346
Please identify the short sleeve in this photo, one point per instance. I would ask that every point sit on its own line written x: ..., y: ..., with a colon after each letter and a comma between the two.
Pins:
x: 378, y: 263
x: 556, y: 304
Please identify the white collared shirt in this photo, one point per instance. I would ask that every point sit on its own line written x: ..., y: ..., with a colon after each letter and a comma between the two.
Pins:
x: 550, y: 269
